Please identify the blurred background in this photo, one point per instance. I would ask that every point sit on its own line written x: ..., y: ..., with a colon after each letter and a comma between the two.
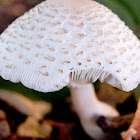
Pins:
x: 127, y: 10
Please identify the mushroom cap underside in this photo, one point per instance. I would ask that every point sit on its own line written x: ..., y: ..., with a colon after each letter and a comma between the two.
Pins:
x: 50, y: 45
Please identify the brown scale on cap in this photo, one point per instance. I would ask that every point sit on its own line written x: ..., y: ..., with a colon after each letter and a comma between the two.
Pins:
x: 52, y: 49
x: 99, y: 63
x: 98, y: 42
x: 9, y: 42
x: 80, y: 35
x: 125, y: 64
x: 49, y: 58
x: 65, y: 52
x: 114, y: 40
x: 38, y: 46
x: 114, y: 56
x: 124, y: 39
x: 99, y: 23
x: 53, y: 24
x: 44, y: 66
x: 20, y: 56
x: 100, y: 33
x: 96, y: 16
x: 90, y: 46
x: 119, y: 70
x: 92, y: 30
x: 22, y: 27
x: 134, y: 54
x: 43, y: 70
x: 122, y: 50
x: 9, y: 66
x: 24, y: 47
x: 129, y: 58
x: 101, y: 52
x: 66, y: 11
x: 73, y: 45
x: 39, y: 21
x: 79, y: 63
x: 88, y: 60
x: 39, y: 10
x: 61, y: 71
x: 9, y: 50
x: 110, y: 48
x: 80, y: 53
x: 62, y: 31
x: 81, y: 25
x: 27, y: 61
x: 4, y: 58
x: 108, y: 32
x: 115, y: 26
x: 44, y: 73
x: 77, y: 12
x: 76, y: 17
x: 63, y: 18
x: 40, y: 36
x: 32, y: 28
x: 42, y: 29
x: 65, y: 62
x: 59, y: 41
x: 55, y: 11
x: 125, y: 78
x: 23, y: 36
x: 111, y: 62
x: 94, y: 54
x: 37, y: 55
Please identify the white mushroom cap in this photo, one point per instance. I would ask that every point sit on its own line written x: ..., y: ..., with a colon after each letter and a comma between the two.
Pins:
x: 57, y: 41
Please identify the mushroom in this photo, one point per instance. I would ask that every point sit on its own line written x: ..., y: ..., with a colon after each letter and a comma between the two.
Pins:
x: 72, y: 42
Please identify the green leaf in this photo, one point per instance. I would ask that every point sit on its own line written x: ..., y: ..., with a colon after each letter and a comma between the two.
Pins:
x: 120, y: 8
x: 137, y: 93
x: 134, y: 7
x: 51, y: 97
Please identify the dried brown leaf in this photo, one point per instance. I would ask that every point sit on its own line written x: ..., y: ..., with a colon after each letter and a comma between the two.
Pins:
x: 24, y: 105
x: 31, y: 128
x: 4, y: 126
x: 134, y: 129
x: 64, y: 129
x: 112, y: 95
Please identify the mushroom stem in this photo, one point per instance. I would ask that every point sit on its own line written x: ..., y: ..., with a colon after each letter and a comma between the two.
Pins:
x: 89, y: 108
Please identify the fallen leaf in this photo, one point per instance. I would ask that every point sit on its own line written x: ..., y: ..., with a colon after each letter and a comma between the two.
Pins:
x: 24, y: 105
x: 63, y: 129
x: 6, y: 1
x: 134, y: 129
x: 112, y: 95
x: 31, y: 128
x: 4, y: 126
x: 2, y: 115
x: 16, y: 9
